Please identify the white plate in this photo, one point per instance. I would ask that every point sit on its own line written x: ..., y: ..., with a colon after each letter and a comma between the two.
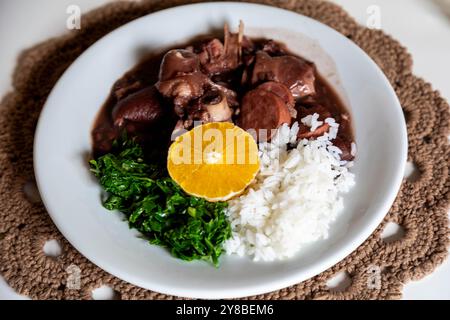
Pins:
x: 72, y: 195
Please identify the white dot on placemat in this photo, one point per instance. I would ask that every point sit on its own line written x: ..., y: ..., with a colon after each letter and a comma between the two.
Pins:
x: 105, y: 293
x: 31, y: 192
x: 392, y: 232
x: 52, y: 248
x: 412, y: 173
x: 340, y: 282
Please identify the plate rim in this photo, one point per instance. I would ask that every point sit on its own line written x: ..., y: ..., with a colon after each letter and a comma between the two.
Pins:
x: 268, y: 286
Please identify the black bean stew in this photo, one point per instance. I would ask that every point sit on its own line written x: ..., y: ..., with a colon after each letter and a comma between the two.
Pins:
x: 255, y: 83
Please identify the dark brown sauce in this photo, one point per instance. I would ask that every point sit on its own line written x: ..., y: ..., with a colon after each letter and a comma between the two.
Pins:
x: 328, y: 97
x: 143, y: 75
x: 157, y: 139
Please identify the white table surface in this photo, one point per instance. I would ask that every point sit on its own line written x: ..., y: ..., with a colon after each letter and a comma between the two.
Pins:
x: 420, y: 25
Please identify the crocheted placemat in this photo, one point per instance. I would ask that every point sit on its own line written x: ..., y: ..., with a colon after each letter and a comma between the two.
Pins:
x: 420, y: 208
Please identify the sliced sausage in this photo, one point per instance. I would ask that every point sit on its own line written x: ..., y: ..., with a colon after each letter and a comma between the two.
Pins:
x: 295, y: 73
x: 283, y: 92
x: 263, y: 110
x: 143, y: 106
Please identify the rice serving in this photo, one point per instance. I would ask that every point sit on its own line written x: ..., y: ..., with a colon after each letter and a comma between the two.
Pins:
x: 295, y: 197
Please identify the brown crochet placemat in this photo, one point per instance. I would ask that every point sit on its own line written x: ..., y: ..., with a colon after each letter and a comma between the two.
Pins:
x: 420, y: 208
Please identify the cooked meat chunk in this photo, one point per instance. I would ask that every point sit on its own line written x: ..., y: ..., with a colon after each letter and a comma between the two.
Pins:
x: 177, y: 63
x: 229, y: 94
x: 180, y: 78
x: 216, y: 104
x: 295, y: 73
x: 256, y: 83
x: 143, y: 107
x: 306, y: 133
x: 217, y: 58
x: 263, y: 111
x: 211, y: 55
x: 184, y: 88
x: 211, y: 107
x: 272, y: 48
x: 283, y: 92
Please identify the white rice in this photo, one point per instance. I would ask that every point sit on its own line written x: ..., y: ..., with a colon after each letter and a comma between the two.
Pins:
x: 312, y: 121
x: 295, y: 197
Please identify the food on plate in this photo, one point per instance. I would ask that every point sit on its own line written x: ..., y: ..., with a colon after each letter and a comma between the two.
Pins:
x: 294, y: 199
x: 295, y: 73
x: 144, y: 107
x: 263, y: 111
x: 228, y: 145
x: 191, y: 228
x: 218, y: 175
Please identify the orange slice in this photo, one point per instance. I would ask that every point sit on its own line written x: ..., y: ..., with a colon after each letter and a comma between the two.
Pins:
x: 215, y: 161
